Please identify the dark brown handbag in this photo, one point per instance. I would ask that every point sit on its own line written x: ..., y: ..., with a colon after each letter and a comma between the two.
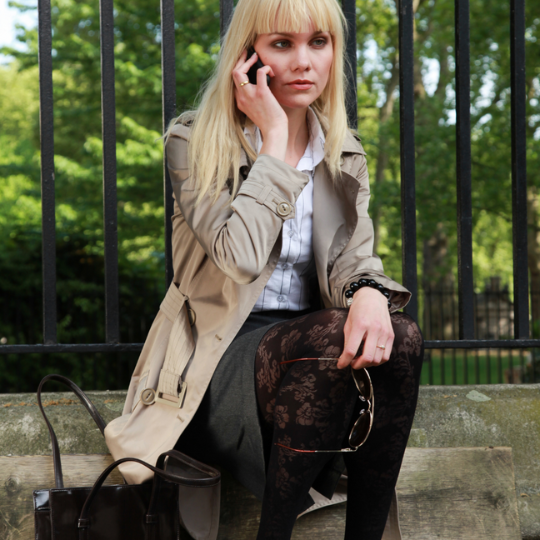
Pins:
x: 148, y: 511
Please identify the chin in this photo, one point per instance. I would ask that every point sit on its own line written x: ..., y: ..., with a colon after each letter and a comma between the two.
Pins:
x: 300, y: 103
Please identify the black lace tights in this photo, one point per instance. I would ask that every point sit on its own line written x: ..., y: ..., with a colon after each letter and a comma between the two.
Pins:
x: 311, y: 405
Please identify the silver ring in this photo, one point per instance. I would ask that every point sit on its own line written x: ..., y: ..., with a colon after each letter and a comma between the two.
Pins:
x: 245, y: 82
x: 381, y: 347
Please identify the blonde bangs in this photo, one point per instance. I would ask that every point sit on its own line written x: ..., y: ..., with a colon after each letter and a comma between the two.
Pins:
x: 275, y: 16
x: 217, y: 134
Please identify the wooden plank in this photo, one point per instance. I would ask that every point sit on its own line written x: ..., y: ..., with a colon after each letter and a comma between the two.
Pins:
x: 444, y: 493
x: 465, y: 493
x: 21, y: 475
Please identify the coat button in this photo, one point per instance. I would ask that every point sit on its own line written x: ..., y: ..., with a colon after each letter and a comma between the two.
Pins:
x: 284, y: 209
x: 148, y: 396
x: 191, y: 316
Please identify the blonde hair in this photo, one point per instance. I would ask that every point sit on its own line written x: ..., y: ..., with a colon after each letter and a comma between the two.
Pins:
x: 217, y: 134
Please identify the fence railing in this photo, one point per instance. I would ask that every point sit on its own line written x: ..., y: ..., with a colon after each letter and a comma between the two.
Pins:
x: 467, y: 334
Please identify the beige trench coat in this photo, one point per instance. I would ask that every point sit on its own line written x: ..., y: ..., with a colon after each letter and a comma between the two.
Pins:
x: 223, y: 256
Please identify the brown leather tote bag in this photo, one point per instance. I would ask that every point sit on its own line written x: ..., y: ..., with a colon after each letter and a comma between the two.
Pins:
x: 148, y: 511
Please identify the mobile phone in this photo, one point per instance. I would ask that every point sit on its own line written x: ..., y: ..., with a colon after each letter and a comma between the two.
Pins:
x: 252, y: 73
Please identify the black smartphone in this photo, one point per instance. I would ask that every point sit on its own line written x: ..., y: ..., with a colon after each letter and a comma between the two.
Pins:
x: 252, y: 73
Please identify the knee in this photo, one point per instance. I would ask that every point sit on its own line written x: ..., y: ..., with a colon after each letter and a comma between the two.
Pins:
x: 326, y: 336
x: 408, y: 336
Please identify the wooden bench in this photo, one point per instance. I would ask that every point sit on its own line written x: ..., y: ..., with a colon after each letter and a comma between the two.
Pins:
x: 452, y: 484
x: 444, y: 493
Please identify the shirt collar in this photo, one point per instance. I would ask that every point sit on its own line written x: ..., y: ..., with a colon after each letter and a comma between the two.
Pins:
x: 314, y: 153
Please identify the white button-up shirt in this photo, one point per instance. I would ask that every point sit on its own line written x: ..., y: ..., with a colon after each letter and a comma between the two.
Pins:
x: 287, y: 288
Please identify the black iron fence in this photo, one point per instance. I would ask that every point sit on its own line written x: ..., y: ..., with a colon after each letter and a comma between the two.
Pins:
x: 81, y: 320
x: 493, y: 315
x: 467, y: 333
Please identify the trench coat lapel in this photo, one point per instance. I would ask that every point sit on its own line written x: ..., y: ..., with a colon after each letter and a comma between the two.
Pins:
x: 334, y: 213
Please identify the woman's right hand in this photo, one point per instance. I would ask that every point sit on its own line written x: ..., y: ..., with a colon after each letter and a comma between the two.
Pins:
x: 257, y: 100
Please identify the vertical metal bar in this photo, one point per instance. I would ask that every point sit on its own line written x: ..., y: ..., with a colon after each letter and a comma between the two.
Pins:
x: 46, y: 126
x: 408, y: 200
x: 108, y: 112
x: 453, y: 366
x: 519, y: 168
x: 511, y: 366
x: 488, y: 368
x: 465, y: 368
x: 441, y: 314
x: 168, y: 96
x: 463, y: 169
x: 225, y: 15
x: 351, y: 99
x: 498, y: 322
x: 442, y: 363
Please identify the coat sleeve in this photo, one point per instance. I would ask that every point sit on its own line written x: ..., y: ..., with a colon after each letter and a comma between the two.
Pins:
x: 237, y: 237
x: 357, y: 259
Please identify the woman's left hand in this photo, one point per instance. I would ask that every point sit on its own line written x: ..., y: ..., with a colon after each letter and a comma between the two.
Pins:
x: 368, y: 321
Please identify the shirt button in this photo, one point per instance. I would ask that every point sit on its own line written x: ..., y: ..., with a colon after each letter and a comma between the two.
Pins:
x: 285, y: 266
x: 284, y: 209
x: 291, y: 233
x: 280, y: 298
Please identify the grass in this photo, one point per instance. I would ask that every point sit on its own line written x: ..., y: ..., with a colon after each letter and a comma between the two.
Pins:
x: 462, y: 366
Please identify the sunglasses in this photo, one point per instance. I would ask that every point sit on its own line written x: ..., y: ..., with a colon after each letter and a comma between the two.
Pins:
x: 362, y: 427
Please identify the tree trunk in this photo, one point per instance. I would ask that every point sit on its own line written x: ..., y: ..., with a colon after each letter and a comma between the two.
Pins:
x: 533, y: 248
x: 385, y: 114
x: 438, y: 284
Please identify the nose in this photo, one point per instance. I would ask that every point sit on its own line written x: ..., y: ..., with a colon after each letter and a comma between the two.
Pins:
x: 302, y: 61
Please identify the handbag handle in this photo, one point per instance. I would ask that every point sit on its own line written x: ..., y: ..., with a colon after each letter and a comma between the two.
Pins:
x: 159, y: 475
x: 213, y: 476
x: 90, y: 407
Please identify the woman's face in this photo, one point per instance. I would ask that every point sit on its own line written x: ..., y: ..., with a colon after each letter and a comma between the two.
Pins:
x: 297, y: 56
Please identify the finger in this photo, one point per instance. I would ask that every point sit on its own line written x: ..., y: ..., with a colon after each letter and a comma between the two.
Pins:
x: 240, y: 61
x: 248, y: 62
x: 379, y: 352
x: 240, y: 72
x: 371, y: 354
x: 388, y: 351
x: 353, y: 341
x: 261, y: 75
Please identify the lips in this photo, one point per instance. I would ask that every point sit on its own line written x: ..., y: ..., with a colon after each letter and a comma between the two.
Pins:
x: 301, y: 84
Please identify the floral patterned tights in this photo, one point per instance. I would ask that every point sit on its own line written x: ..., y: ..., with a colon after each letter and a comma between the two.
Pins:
x: 312, y: 404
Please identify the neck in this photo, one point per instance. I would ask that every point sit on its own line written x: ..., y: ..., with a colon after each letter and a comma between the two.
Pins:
x: 298, y: 130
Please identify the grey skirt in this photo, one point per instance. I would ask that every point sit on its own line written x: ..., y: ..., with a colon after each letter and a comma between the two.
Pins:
x: 227, y: 429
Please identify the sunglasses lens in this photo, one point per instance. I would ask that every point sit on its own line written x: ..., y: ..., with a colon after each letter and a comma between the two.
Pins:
x: 363, y: 383
x: 360, y: 430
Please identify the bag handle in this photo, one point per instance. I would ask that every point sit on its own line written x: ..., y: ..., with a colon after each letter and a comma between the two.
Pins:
x: 90, y: 407
x: 159, y: 476
x: 213, y: 475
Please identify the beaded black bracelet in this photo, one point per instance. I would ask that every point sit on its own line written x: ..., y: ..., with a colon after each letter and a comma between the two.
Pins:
x: 357, y: 285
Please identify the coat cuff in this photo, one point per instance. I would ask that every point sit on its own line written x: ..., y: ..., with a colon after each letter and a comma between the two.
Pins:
x: 399, y: 295
x: 274, y: 184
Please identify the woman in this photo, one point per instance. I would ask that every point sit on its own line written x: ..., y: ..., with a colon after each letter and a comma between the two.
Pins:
x: 269, y: 232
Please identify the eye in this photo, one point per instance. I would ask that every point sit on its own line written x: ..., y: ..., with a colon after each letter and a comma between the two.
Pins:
x: 276, y: 44
x: 322, y: 41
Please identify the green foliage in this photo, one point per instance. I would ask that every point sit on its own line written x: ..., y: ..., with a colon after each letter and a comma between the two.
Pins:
x: 78, y: 158
x: 78, y: 177
x: 435, y: 135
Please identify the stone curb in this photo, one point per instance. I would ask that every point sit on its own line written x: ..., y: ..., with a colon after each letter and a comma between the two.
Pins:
x: 446, y: 416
